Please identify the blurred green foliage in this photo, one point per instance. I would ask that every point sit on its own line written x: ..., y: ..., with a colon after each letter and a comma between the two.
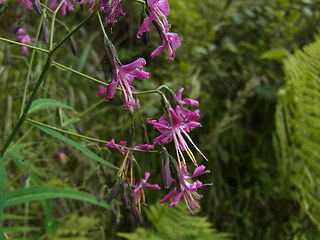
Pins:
x: 230, y: 60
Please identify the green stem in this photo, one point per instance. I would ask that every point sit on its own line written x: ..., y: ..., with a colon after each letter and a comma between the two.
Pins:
x: 24, y: 45
x: 72, y: 32
x: 53, y: 22
x: 30, y: 65
x: 44, y: 6
x: 84, y: 137
x: 78, y: 73
x: 24, y: 114
x: 147, y: 92
x: 102, y: 28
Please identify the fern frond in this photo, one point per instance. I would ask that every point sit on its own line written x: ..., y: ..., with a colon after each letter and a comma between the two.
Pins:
x: 175, y: 223
x: 297, y: 140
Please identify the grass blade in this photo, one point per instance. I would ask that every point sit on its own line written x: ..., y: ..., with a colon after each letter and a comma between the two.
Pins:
x: 35, y: 193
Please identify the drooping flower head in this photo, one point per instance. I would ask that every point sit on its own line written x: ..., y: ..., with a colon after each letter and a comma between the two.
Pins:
x: 112, y: 8
x: 138, y: 191
x: 177, y: 128
x: 25, y: 39
x: 185, y: 189
x: 66, y: 5
x: 124, y: 75
x: 158, y: 11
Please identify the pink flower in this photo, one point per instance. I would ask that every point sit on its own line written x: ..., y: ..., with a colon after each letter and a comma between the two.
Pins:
x: 66, y: 5
x: 175, y: 129
x: 110, y: 7
x: 112, y: 144
x: 158, y: 11
x: 27, y: 3
x: 138, y: 191
x: 185, y: 189
x: 25, y: 39
x: 124, y: 75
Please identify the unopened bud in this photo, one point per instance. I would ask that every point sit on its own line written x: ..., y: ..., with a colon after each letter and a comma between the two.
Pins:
x: 124, y: 197
x: 166, y: 174
x: 136, y: 213
x: 145, y: 135
x: 175, y: 172
x: 101, y: 194
x: 8, y: 57
x: 37, y: 6
x: 45, y: 31
x: 73, y: 46
x: 114, y: 191
x: 146, y: 38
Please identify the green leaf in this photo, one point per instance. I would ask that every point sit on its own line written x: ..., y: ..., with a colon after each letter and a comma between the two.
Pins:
x: 35, y: 193
x: 44, y: 103
x: 75, y: 144
x: 2, y: 186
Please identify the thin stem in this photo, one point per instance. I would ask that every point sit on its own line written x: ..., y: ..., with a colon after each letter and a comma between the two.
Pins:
x: 147, y: 92
x: 53, y: 22
x: 21, y: 119
x: 44, y: 6
x: 102, y: 27
x: 84, y: 137
x: 24, y: 45
x: 78, y: 73
x: 30, y: 66
x: 72, y: 32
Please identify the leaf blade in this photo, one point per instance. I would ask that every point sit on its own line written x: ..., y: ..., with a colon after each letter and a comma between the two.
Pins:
x: 43, y: 103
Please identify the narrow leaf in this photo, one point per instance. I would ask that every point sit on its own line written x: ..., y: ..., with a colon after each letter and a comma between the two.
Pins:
x: 75, y: 144
x: 44, y: 103
x: 35, y: 193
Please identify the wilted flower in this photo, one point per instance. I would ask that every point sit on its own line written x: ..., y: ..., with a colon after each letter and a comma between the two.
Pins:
x: 174, y: 129
x: 158, y: 11
x: 138, y: 191
x: 112, y: 8
x: 124, y: 75
x: 25, y: 39
x: 185, y: 189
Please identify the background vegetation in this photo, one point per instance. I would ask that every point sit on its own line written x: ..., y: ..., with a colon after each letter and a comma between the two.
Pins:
x: 258, y: 89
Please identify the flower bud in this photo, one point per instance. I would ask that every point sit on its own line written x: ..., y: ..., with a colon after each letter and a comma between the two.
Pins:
x: 37, y: 6
x: 175, y: 173
x: 124, y: 197
x: 136, y: 213
x: 8, y: 57
x: 114, y: 191
x: 101, y: 194
x: 73, y: 46
x: 166, y: 175
x: 145, y: 138
x: 45, y: 31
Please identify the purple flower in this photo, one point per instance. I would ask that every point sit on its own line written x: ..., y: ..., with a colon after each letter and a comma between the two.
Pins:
x: 67, y: 4
x: 25, y: 39
x: 185, y: 189
x: 110, y: 7
x: 158, y: 11
x: 112, y: 144
x: 174, y: 129
x: 124, y: 75
x: 138, y: 191
x: 27, y: 3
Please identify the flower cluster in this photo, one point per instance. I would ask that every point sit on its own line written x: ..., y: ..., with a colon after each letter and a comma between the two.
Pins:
x: 158, y: 12
x: 25, y: 39
x: 185, y: 189
x: 175, y: 124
